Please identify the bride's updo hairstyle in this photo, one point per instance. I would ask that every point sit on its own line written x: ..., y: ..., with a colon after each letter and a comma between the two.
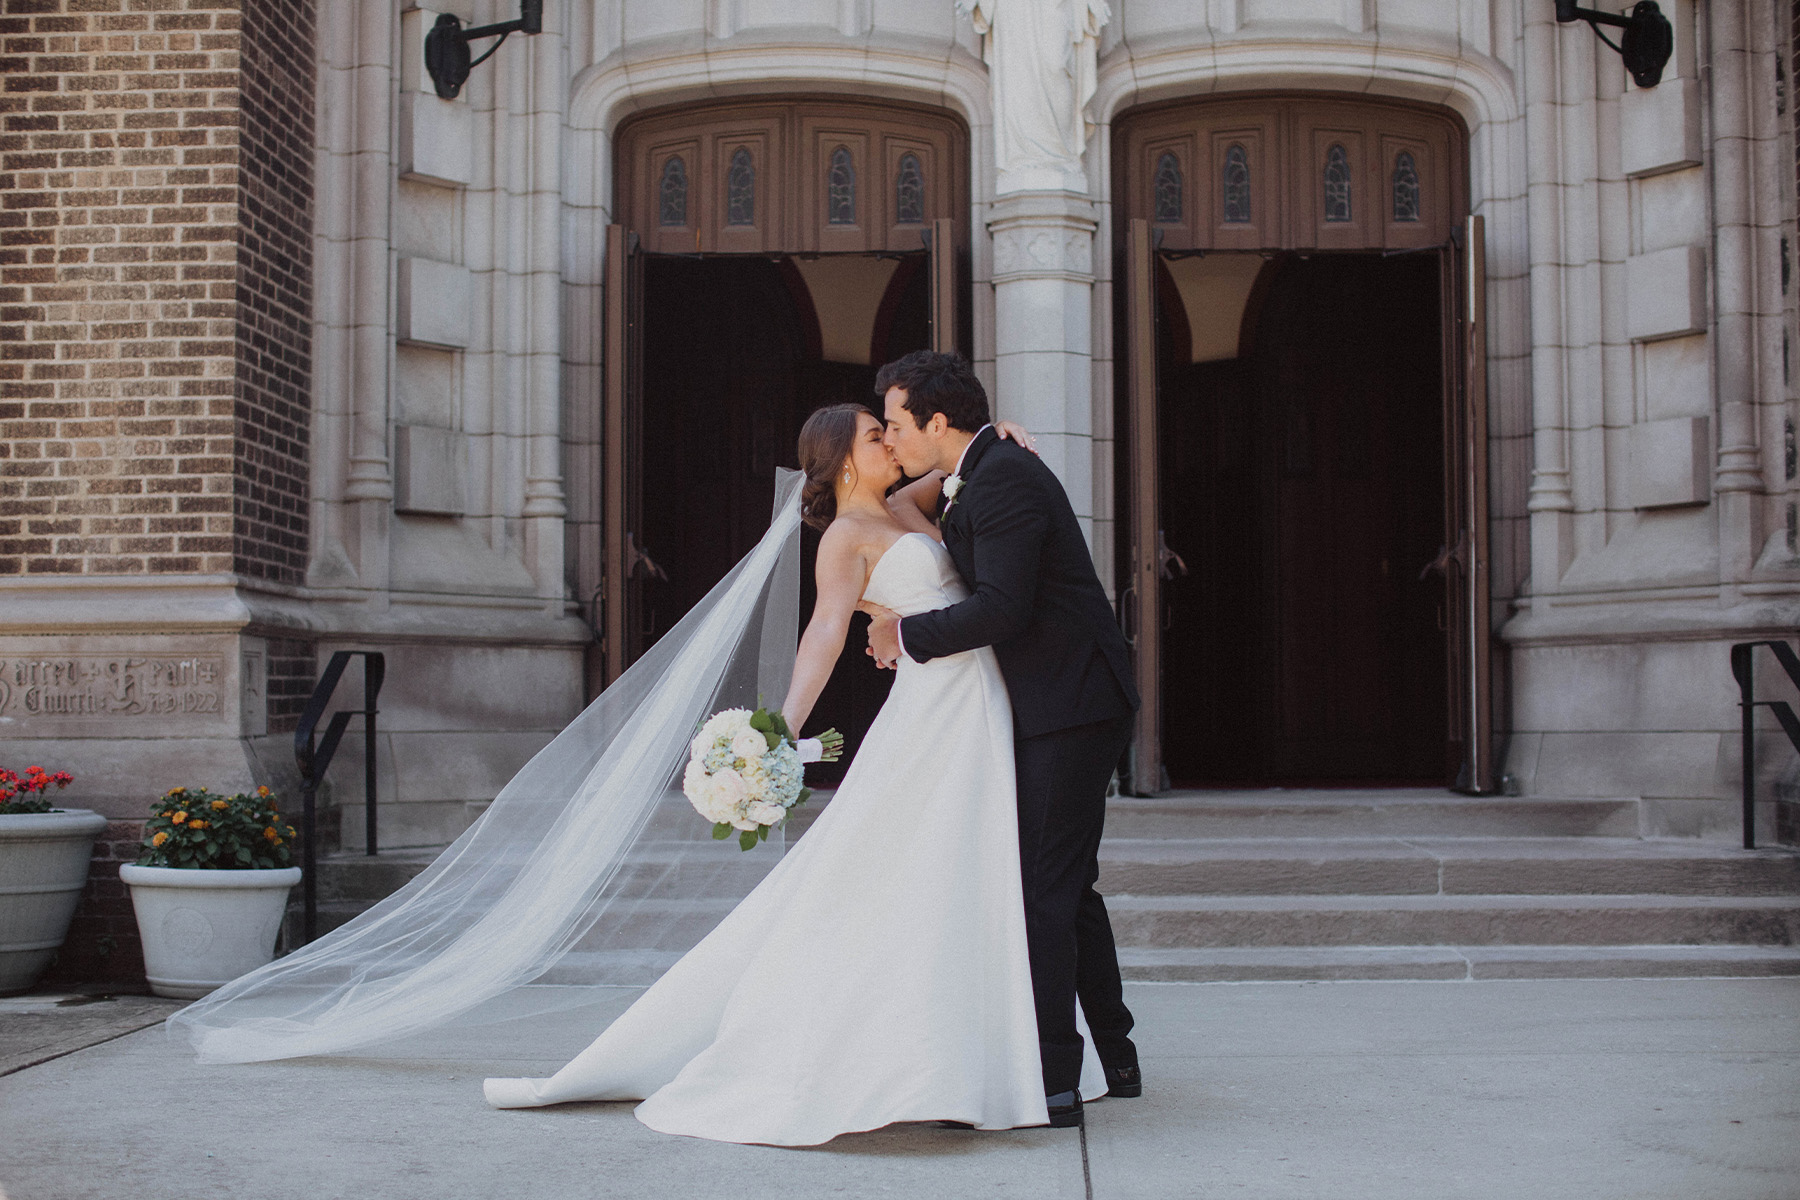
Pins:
x: 825, y: 444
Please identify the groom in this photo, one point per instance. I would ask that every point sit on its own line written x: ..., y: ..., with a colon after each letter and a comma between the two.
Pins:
x: 1035, y: 599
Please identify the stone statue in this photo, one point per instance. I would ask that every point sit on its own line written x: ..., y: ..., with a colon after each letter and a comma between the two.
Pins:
x: 1042, y: 56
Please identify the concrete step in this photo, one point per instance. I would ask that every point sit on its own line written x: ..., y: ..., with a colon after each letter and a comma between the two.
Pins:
x: 331, y: 914
x: 1365, y: 813
x: 367, y: 878
x: 1174, y: 922
x: 1247, y: 964
x: 1390, y: 884
x: 1427, y: 866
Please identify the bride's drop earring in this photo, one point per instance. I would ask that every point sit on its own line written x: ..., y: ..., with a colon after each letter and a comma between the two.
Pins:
x: 846, y: 476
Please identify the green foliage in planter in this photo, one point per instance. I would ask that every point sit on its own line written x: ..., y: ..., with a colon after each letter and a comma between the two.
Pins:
x: 191, y: 827
x: 26, y: 795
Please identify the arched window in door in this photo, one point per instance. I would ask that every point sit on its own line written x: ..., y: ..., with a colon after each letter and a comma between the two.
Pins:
x: 840, y: 195
x: 740, y: 189
x: 1168, y: 189
x: 1337, y: 184
x: 909, y: 192
x: 1237, y: 186
x: 1406, y: 188
x: 672, y: 195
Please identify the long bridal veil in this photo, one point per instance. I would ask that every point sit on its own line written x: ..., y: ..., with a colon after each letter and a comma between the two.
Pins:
x: 589, y: 869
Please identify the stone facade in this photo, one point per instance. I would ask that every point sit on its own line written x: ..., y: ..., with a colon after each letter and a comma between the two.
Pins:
x: 299, y: 356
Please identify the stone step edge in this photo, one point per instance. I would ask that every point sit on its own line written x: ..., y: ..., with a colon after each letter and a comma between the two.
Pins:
x: 1549, y: 846
x: 1351, y: 797
x: 1448, y: 963
x: 1427, y: 901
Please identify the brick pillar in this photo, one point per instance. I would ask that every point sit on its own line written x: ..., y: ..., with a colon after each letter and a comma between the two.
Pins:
x: 155, y: 287
x: 156, y: 237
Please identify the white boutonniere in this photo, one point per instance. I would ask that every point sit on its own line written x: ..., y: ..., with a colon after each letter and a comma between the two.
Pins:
x: 952, y: 486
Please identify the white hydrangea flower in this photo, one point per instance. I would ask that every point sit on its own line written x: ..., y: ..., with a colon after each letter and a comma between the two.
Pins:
x: 764, y: 813
x: 726, y: 724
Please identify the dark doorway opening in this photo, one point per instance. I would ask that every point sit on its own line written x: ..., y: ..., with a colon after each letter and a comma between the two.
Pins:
x: 731, y: 369
x: 1303, y: 483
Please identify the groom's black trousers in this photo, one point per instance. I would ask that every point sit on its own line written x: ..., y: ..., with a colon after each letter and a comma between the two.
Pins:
x: 1062, y: 809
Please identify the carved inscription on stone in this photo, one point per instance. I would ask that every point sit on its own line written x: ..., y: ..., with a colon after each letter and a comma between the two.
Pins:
x: 110, y: 687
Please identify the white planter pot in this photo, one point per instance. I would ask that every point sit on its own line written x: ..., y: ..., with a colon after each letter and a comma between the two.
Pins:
x: 43, y: 867
x: 202, y: 929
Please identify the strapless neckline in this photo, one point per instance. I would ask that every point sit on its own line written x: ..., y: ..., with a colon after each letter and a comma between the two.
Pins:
x: 886, y: 554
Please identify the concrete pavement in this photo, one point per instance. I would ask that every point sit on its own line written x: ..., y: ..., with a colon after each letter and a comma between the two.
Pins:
x: 1590, y: 1089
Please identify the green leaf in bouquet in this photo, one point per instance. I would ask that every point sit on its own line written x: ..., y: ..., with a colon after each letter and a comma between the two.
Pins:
x: 747, y: 840
x: 721, y: 831
x: 759, y: 721
x: 802, y: 798
x: 773, y: 737
x: 781, y: 726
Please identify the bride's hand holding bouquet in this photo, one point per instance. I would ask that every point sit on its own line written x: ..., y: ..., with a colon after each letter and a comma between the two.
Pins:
x: 745, y: 771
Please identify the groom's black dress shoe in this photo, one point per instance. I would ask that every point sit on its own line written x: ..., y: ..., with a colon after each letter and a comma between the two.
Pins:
x: 1065, y: 1109
x: 1124, y: 1082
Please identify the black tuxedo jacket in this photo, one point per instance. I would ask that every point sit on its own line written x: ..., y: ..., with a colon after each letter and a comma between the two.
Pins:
x: 1034, y: 595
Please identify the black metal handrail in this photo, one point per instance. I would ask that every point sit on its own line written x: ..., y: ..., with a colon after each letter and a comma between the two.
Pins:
x: 315, y: 760
x: 1744, y: 667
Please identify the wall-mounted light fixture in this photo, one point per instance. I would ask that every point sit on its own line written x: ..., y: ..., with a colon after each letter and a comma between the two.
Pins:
x: 1645, y: 45
x: 447, y: 45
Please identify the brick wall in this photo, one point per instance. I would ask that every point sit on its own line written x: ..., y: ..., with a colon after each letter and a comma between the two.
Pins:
x: 274, y: 258
x: 293, y: 670
x: 155, y: 218
x: 103, y: 944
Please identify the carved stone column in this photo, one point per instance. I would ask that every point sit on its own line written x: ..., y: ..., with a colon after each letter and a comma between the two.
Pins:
x: 1738, y: 482
x: 1043, y: 302
x: 1551, y: 500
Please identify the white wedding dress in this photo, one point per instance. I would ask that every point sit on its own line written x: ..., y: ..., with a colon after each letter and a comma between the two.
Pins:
x: 879, y: 973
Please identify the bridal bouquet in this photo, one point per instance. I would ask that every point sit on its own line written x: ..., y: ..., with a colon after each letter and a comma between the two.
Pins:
x: 745, y: 773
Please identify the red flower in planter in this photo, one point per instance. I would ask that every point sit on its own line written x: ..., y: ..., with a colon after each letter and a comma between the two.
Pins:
x: 24, y: 795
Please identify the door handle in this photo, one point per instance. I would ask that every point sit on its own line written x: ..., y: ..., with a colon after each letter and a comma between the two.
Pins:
x: 639, y: 564
x: 1445, y: 556
x: 1169, y: 564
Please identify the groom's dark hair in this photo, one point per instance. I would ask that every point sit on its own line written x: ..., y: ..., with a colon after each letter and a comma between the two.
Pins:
x: 936, y: 382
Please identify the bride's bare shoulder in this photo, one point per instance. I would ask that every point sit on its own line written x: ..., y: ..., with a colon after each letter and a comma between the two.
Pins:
x: 848, y: 536
x: 854, y: 535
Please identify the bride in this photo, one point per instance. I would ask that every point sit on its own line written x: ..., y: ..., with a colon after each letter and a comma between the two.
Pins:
x: 879, y: 973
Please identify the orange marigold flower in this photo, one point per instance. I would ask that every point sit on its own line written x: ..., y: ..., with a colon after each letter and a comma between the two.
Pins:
x: 218, y: 804
x: 176, y: 791
x: 262, y: 791
x: 290, y: 831
x: 179, y: 817
x: 159, y: 839
x: 271, y: 834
